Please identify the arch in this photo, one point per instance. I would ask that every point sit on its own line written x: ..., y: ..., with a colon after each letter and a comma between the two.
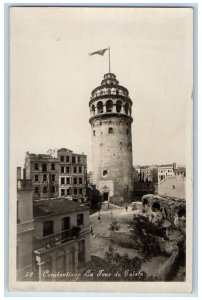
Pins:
x: 93, y: 109
x: 126, y: 108
x: 109, y: 105
x: 118, y: 105
x: 117, y: 92
x: 100, y: 107
x: 109, y: 91
x: 110, y: 130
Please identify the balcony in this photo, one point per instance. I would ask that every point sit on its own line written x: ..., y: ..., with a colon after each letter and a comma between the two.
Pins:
x: 54, y: 240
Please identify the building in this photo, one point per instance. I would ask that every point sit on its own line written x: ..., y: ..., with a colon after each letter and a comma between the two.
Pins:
x: 61, y: 176
x: 43, y: 171
x: 61, y: 237
x: 110, y: 119
x: 72, y: 175
x: 25, y: 227
x: 165, y: 171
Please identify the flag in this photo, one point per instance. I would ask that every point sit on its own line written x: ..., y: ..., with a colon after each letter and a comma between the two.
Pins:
x: 100, y: 52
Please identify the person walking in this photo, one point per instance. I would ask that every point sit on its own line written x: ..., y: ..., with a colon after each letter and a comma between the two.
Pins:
x: 126, y: 208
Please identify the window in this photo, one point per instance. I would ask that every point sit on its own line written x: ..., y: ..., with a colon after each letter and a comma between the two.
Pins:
x: 67, y: 169
x: 110, y: 130
x: 68, y: 192
x: 44, y: 167
x: 105, y: 172
x: 36, y: 189
x: 67, y: 180
x: 52, y: 167
x: 62, y: 158
x: 73, y: 159
x: 75, y: 180
x: 36, y: 166
x: 80, y: 169
x: 62, y: 192
x: 53, y: 177
x: 93, y: 109
x: 80, y: 219
x: 48, y: 228
x: 36, y: 178
x: 93, y: 132
x: 79, y: 159
x: 44, y: 177
x: 127, y: 131
x: 109, y: 106
x: 109, y: 91
x: 75, y: 170
x: 80, y: 191
x: 53, y: 189
x: 75, y: 191
x: 45, y: 190
x: 67, y: 158
x: 80, y: 181
x: 126, y: 108
x: 62, y: 180
x: 118, y: 106
x: 100, y: 107
x: 62, y: 169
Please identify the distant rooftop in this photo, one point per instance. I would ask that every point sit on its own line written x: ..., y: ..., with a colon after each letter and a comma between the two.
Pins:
x: 56, y: 206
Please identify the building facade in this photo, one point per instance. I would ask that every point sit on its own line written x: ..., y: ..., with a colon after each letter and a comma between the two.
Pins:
x: 43, y: 171
x: 25, y: 227
x: 61, y: 238
x: 72, y: 175
x: 62, y: 176
x: 112, y: 161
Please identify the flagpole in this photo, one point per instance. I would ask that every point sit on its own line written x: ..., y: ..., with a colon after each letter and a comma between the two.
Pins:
x: 109, y: 61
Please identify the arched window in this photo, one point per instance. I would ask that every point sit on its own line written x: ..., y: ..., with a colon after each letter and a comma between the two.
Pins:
x: 93, y: 109
x: 117, y: 92
x: 110, y: 130
x: 109, y: 106
x: 100, y: 107
x: 126, y: 108
x: 109, y: 91
x: 118, y: 105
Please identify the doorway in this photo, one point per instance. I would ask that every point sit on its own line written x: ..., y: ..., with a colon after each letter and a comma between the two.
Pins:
x: 106, y: 196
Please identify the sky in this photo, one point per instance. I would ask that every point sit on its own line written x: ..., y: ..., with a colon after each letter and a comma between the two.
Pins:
x: 52, y: 76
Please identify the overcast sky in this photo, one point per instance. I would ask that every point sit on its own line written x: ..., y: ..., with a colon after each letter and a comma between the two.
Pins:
x: 52, y: 77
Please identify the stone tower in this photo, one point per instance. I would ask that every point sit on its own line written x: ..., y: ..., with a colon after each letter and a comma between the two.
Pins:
x: 112, y: 160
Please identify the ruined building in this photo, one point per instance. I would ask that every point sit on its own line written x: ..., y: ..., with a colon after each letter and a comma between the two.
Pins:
x: 110, y: 119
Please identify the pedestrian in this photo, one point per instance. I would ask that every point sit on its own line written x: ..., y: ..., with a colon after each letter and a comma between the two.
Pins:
x: 99, y: 216
x: 91, y: 230
x: 126, y: 208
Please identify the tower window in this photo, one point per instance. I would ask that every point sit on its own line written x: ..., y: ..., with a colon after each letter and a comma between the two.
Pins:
x: 110, y: 130
x: 94, y: 132
x: 100, y: 107
x: 109, y: 91
x: 105, y: 172
x: 126, y: 108
x: 118, y: 106
x: 109, y: 105
x: 93, y: 109
x: 127, y: 131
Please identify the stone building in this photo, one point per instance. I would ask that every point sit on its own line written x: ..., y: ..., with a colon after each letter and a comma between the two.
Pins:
x: 61, y: 176
x: 72, y: 175
x: 43, y: 171
x: 25, y: 226
x: 112, y: 161
x: 165, y: 171
x: 61, y: 238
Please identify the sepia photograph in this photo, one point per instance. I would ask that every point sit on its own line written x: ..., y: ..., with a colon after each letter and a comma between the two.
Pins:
x: 101, y: 146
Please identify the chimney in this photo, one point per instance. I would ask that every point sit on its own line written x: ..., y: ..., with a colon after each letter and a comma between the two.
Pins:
x: 18, y: 173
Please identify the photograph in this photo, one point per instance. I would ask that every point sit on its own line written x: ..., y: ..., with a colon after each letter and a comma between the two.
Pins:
x: 100, y: 148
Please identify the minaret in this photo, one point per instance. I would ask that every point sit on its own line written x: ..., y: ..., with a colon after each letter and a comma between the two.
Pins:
x: 112, y: 160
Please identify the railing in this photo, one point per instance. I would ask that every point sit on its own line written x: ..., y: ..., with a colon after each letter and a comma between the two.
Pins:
x: 111, y: 93
x: 54, y: 240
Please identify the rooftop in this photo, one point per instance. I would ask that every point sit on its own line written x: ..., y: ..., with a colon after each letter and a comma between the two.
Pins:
x: 56, y: 206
